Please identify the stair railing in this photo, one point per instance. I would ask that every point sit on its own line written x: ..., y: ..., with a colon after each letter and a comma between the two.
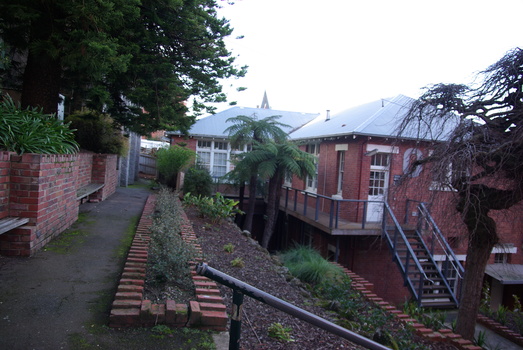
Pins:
x: 241, y: 288
x: 451, y: 266
x: 408, y: 264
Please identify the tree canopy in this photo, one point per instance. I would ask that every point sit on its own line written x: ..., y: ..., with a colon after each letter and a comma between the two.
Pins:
x: 481, y: 159
x: 140, y: 60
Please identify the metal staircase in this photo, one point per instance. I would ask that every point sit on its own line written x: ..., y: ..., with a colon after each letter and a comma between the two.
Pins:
x: 432, y: 283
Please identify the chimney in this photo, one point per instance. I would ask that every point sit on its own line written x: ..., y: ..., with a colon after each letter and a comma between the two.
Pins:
x: 328, y: 116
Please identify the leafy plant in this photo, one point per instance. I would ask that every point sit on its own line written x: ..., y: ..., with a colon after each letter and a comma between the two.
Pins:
x: 97, y: 132
x: 30, y: 131
x: 229, y: 247
x: 198, y: 181
x: 279, y: 332
x: 237, y: 262
x: 309, y: 266
x: 480, y: 340
x: 172, y: 160
x: 214, y: 208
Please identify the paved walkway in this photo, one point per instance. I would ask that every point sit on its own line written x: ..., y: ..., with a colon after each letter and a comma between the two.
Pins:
x: 51, y: 298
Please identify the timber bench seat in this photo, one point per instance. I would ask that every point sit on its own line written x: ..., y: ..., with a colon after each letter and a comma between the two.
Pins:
x: 9, y: 223
x: 85, y: 191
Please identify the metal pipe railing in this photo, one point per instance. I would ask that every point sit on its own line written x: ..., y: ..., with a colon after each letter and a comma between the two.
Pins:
x: 240, y: 287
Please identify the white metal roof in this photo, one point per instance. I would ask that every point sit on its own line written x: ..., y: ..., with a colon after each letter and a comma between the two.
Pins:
x: 506, y: 273
x: 378, y: 118
x: 214, y: 125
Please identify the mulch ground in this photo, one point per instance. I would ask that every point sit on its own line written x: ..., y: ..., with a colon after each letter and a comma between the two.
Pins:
x: 264, y: 272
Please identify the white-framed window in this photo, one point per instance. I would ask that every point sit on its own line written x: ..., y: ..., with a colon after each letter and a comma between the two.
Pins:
x: 341, y: 170
x: 215, y: 156
x: 312, y: 181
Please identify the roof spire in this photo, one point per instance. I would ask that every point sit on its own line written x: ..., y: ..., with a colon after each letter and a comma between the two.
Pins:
x: 265, y: 102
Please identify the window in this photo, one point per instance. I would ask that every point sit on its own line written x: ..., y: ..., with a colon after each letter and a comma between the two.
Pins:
x: 380, y: 160
x: 341, y: 166
x: 312, y: 181
x: 500, y: 258
x: 377, y: 183
x: 214, y: 156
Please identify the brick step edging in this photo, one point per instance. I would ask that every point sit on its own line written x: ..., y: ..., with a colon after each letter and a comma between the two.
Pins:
x: 129, y: 309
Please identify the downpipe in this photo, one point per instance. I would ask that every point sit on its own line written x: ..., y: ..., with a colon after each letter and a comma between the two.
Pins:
x: 240, y: 287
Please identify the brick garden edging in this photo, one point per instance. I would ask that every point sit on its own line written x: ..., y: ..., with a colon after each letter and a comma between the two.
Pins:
x: 129, y: 309
x: 445, y: 335
x: 501, y: 330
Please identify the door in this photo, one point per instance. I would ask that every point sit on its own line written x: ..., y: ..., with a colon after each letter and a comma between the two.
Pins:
x: 378, y: 185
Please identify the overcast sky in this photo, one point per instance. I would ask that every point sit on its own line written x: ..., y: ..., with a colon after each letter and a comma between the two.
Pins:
x: 312, y: 55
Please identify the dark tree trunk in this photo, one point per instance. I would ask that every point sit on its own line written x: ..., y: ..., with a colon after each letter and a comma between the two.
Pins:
x: 252, y: 204
x: 482, y: 238
x: 41, y: 83
x: 273, y: 205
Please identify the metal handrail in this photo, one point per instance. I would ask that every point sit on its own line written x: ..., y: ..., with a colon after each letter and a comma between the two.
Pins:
x: 436, y: 232
x: 333, y: 208
x: 241, y: 288
x: 393, y: 243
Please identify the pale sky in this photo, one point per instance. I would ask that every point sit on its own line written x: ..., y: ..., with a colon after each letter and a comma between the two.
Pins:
x: 312, y: 55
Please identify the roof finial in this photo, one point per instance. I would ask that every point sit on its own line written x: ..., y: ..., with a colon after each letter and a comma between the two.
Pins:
x: 265, y: 102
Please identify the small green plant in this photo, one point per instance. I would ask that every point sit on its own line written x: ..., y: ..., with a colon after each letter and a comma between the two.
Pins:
x: 481, y: 339
x: 280, y: 333
x: 215, y: 208
x: 484, y: 307
x: 160, y: 331
x: 229, y: 248
x: 237, y: 262
x: 501, y: 314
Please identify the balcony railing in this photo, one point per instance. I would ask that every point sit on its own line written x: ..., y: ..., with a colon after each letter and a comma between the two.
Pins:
x: 327, y: 210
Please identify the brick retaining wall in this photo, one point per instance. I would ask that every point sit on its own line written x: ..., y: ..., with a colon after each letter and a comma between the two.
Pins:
x: 43, y: 188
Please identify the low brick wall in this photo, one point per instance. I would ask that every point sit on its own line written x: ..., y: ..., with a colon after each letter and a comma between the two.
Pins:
x: 130, y: 309
x: 444, y: 335
x: 43, y: 189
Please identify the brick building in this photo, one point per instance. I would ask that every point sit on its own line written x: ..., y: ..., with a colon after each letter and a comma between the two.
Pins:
x: 405, y: 237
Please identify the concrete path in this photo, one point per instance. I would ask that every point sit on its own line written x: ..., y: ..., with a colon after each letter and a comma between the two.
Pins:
x: 48, y: 299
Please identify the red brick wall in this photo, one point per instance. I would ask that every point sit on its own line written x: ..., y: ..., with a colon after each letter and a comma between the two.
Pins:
x: 43, y: 189
x: 5, y: 167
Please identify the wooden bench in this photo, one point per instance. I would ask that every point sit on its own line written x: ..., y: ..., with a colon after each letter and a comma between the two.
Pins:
x: 85, y: 191
x: 9, y: 223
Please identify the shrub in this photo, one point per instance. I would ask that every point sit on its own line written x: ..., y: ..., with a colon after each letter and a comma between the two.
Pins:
x: 172, y: 160
x: 309, y: 266
x: 169, y: 253
x: 198, y: 181
x: 237, y: 262
x: 30, y: 131
x: 279, y: 332
x: 214, y: 208
x: 98, y: 133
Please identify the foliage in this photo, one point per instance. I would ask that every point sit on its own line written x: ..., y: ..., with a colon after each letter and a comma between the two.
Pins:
x: 237, y: 262
x: 169, y: 254
x: 279, y: 332
x: 198, y: 181
x: 142, y: 60
x: 228, y: 248
x: 170, y: 161
x: 247, y: 130
x: 477, y: 133
x: 273, y: 162
x: 30, y: 131
x: 308, y: 265
x: 98, y: 133
x: 215, y: 208
x: 431, y: 319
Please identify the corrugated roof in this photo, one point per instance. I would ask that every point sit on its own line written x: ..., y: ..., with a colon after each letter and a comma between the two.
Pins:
x: 506, y: 273
x: 214, y: 125
x: 377, y: 118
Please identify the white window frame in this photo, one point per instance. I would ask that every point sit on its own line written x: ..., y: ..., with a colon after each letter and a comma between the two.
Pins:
x: 311, y: 183
x: 341, y: 172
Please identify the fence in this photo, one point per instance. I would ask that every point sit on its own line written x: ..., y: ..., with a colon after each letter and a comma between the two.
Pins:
x: 147, y: 164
